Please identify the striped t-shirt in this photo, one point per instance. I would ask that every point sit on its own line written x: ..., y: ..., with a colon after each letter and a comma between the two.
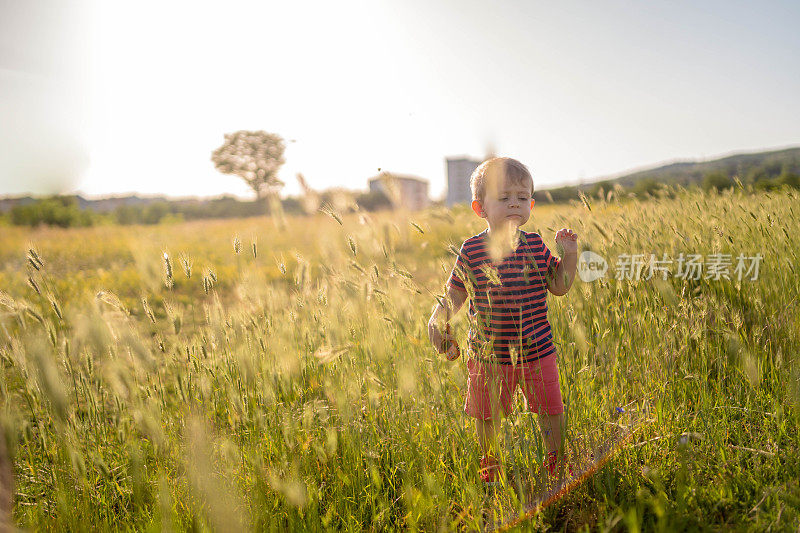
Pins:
x: 507, y: 302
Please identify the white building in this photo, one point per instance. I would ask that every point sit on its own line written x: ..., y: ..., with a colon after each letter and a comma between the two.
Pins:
x: 459, y: 170
x: 407, y: 192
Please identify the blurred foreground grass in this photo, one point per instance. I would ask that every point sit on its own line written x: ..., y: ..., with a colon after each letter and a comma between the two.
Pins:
x: 277, y: 375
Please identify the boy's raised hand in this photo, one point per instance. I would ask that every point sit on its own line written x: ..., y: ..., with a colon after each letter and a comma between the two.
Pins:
x: 568, y: 240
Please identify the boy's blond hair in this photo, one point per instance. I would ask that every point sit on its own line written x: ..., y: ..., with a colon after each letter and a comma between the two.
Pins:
x: 494, y: 172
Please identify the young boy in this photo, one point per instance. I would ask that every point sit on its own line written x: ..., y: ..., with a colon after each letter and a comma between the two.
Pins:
x: 506, y: 273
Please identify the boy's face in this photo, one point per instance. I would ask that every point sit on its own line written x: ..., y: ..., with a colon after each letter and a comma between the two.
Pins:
x: 507, y: 205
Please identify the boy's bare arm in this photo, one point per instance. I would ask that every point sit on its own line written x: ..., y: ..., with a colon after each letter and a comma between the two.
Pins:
x: 565, y: 273
x: 437, y: 331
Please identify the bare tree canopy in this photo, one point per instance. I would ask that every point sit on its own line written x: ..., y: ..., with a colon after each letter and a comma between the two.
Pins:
x: 254, y: 156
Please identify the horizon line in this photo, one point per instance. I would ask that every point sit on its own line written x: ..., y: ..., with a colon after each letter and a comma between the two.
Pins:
x: 556, y: 185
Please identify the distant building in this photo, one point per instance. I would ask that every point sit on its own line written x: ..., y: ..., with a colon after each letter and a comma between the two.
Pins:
x: 407, y: 192
x: 459, y: 170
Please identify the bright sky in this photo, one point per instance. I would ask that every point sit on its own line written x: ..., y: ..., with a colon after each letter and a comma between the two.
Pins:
x: 110, y: 97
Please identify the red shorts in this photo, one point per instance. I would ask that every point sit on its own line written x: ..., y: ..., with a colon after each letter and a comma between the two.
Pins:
x: 490, y: 387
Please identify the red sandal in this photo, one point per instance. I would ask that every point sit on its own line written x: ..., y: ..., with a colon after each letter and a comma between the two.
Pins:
x: 552, y: 462
x: 490, y: 470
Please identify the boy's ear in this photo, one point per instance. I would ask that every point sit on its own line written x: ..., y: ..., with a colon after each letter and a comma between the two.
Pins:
x: 478, y: 208
x: 532, y: 202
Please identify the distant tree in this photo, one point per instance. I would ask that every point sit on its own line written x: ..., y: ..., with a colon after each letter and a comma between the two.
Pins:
x: 254, y: 156
x: 645, y: 186
x: 291, y: 205
x: 754, y: 175
x: 601, y: 188
x: 153, y: 213
x: 558, y: 195
x: 128, y: 214
x: 766, y: 185
x: 717, y: 180
x: 373, y: 201
x: 789, y: 178
x: 60, y: 211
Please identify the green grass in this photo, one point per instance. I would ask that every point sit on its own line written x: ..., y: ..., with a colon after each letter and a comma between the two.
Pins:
x: 295, y: 388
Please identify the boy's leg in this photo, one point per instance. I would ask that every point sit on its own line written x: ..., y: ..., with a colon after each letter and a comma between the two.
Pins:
x: 553, y: 433
x: 489, y: 471
x: 489, y: 389
x: 543, y: 396
x: 488, y: 398
x: 487, y: 436
x: 552, y: 430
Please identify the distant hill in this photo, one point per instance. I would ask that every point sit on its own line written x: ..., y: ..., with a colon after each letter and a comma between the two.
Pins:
x: 749, y: 168
x: 764, y: 170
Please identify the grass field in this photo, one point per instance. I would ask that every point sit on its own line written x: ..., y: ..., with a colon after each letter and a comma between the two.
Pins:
x: 275, y: 374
